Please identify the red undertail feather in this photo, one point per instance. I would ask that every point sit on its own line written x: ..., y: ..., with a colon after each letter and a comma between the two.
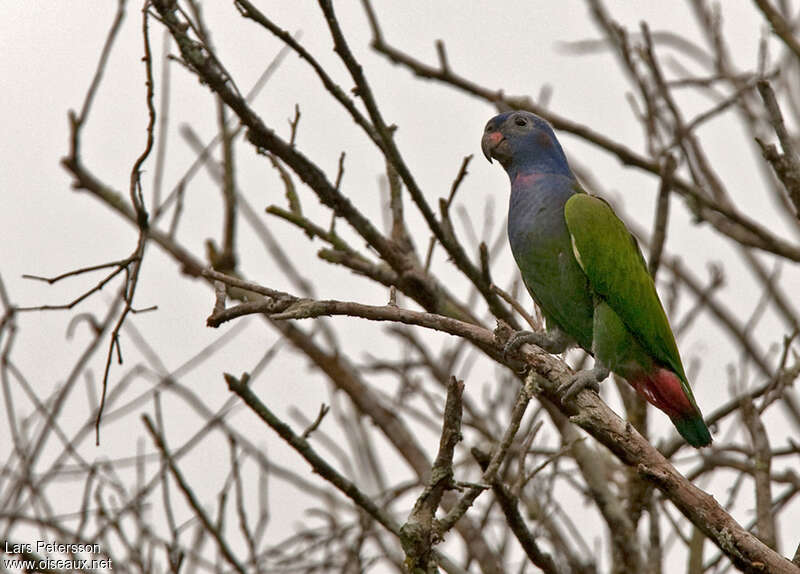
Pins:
x: 663, y: 390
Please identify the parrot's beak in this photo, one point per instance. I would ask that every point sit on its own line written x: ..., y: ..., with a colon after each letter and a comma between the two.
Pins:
x: 488, y: 142
x: 494, y: 145
x: 486, y: 146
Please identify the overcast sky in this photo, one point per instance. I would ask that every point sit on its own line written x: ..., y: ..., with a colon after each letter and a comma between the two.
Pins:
x: 50, y: 51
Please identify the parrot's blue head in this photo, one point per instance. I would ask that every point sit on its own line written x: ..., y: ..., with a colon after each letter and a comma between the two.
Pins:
x: 523, y: 143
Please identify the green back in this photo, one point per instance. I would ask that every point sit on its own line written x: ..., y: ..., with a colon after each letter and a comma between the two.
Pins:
x: 610, y: 257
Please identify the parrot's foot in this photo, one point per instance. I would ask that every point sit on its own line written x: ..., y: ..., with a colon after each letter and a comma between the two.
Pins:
x: 583, y: 380
x: 554, y: 341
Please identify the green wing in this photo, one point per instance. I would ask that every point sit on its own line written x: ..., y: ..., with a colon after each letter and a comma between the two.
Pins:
x: 610, y: 257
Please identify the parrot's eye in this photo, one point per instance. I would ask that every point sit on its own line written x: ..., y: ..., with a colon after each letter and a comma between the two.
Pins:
x: 520, y: 121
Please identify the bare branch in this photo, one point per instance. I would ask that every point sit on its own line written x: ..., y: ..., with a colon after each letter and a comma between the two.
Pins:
x: 418, y: 534
x: 762, y: 462
x: 662, y: 216
x: 780, y: 26
x: 787, y: 164
x: 191, y: 497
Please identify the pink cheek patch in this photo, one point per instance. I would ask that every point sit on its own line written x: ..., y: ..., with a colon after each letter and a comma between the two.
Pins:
x: 494, y: 138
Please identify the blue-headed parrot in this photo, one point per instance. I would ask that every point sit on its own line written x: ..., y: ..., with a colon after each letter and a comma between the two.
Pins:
x: 586, y: 273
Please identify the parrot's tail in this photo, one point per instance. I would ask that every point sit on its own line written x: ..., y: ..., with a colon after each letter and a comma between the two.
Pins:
x: 663, y: 390
x: 693, y: 429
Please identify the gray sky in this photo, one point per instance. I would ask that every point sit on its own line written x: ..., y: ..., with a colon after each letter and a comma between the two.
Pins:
x: 50, y: 50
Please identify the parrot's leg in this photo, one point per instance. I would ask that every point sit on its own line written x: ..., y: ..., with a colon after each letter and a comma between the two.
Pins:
x: 583, y: 380
x: 553, y: 341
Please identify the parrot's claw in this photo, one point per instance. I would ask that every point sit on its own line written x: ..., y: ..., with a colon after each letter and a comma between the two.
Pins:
x: 583, y: 380
x: 519, y: 338
x: 553, y: 341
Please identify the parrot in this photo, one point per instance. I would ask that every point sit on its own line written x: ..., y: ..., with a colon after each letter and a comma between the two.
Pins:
x: 586, y: 273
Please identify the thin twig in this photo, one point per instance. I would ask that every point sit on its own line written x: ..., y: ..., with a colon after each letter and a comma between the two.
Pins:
x: 498, y: 455
x: 418, y: 534
x: 191, y: 498
x: 662, y: 215
x: 787, y: 164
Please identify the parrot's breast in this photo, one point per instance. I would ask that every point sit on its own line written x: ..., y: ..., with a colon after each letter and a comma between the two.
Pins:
x: 542, y: 248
